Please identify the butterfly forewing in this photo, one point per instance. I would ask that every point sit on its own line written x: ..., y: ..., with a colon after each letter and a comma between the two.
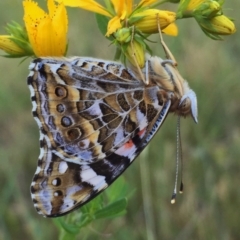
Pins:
x: 94, y: 118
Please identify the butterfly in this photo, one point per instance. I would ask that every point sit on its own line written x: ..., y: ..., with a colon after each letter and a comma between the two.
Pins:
x: 95, y: 117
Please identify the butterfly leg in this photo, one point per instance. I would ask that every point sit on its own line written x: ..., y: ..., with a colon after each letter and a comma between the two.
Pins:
x: 167, y: 51
x: 145, y: 80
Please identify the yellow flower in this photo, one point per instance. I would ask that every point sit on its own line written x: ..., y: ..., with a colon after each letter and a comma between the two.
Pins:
x: 126, y: 23
x: 9, y: 46
x: 47, y: 32
x: 124, y: 14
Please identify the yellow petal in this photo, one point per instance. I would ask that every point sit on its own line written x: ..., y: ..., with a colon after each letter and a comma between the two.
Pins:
x: 113, y: 25
x: 149, y: 23
x: 51, y: 7
x: 171, y: 30
x: 118, y: 6
x: 129, y: 6
x: 89, y: 5
x: 193, y: 4
x: 47, y: 33
x: 8, y: 46
x: 60, y: 27
x: 33, y: 14
x: 44, y: 44
x: 32, y: 8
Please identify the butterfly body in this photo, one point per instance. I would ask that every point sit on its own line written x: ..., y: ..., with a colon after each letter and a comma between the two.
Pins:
x: 95, y: 117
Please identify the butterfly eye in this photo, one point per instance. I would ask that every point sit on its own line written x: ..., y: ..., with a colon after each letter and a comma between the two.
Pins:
x: 58, y: 193
x: 66, y: 121
x: 74, y: 133
x: 60, y: 92
x: 60, y: 108
x: 56, y: 182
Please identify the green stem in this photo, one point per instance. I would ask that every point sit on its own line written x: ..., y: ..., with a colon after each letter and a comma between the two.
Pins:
x: 146, y: 192
x: 117, y: 54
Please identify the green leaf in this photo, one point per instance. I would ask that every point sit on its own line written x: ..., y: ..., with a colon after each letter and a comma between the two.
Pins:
x: 112, y: 209
x: 102, y: 22
x: 118, y: 190
x: 70, y: 228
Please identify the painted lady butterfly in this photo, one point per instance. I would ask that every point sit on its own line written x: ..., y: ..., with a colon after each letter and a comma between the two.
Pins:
x: 95, y: 117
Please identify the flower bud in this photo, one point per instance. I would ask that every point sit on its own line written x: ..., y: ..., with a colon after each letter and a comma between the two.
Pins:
x: 135, y: 53
x: 10, y: 47
x: 148, y: 20
x: 207, y: 9
x: 123, y: 35
x: 219, y: 25
x: 204, y: 8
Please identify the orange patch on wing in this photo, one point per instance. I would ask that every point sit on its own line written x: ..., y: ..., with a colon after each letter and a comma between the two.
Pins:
x: 128, y: 144
x: 142, y: 132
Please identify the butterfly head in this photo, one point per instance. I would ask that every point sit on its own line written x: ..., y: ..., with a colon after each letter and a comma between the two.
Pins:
x: 165, y: 74
x: 188, y: 103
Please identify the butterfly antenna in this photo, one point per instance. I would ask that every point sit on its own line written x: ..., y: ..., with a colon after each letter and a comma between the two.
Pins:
x: 147, y: 72
x: 179, y: 154
x: 135, y: 60
x: 167, y: 51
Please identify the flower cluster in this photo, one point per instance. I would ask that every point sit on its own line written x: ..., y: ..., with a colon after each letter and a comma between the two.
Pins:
x: 126, y: 24
x: 209, y: 15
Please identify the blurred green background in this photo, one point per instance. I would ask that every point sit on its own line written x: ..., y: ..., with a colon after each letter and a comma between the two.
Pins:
x: 210, y: 205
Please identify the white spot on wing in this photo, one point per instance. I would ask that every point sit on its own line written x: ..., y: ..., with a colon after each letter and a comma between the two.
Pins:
x: 55, y: 194
x: 31, y: 66
x: 98, y: 182
x: 38, y: 170
x: 41, y: 155
x: 34, y: 104
x: 62, y: 168
x: 87, y: 173
x: 32, y: 92
x: 54, y: 182
x: 141, y: 119
x: 95, y: 109
x: 90, y: 176
x: 119, y: 135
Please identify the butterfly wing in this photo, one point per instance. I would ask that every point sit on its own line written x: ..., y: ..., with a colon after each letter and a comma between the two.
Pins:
x: 94, y: 118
